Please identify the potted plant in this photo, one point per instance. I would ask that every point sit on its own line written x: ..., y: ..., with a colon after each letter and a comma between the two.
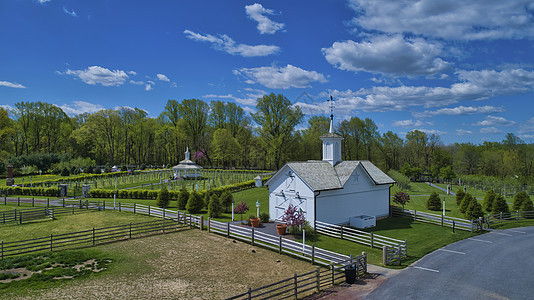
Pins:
x: 255, y: 222
x: 281, y: 228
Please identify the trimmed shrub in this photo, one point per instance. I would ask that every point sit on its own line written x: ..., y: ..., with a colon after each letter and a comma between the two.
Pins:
x: 433, y: 202
x: 226, y: 201
x: 465, y: 202
x: 474, y: 210
x: 163, y: 197
x: 489, y: 199
x: 194, y: 203
x: 500, y: 205
x: 519, y: 198
x: 527, y: 206
x: 65, y: 172
x: 264, y: 217
x: 460, y: 194
x: 214, y: 206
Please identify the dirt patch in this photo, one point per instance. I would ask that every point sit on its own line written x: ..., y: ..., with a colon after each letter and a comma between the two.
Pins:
x: 184, y: 265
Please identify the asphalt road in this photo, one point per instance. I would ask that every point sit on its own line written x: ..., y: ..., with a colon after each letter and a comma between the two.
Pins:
x: 496, y: 265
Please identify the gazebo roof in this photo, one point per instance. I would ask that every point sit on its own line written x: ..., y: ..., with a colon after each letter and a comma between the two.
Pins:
x: 187, y: 164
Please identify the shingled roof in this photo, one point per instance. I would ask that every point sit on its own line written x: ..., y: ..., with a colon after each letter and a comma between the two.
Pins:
x: 321, y: 175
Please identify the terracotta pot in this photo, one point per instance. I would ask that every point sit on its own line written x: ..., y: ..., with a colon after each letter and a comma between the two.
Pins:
x: 281, y: 229
x: 255, y: 222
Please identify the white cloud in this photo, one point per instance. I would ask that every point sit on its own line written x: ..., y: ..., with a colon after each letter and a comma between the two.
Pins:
x: 228, y: 45
x: 133, y: 73
x: 432, y: 131
x: 148, y: 87
x: 389, y: 55
x: 280, y: 78
x: 527, y: 127
x: 490, y: 130
x: 249, y: 97
x: 475, y: 85
x: 463, y: 132
x: 455, y: 19
x: 79, y: 107
x: 136, y: 82
x: 43, y: 1
x: 97, y: 75
x: 71, y: 13
x: 494, y: 121
x: 460, y: 110
x: 7, y: 107
x: 265, y: 25
x: 408, y: 123
x: 163, y: 77
x: 12, y: 85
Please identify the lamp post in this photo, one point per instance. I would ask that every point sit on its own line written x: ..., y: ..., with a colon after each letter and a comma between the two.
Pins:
x: 115, y: 193
x: 258, y: 209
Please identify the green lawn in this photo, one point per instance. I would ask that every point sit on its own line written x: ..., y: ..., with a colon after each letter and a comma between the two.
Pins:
x: 418, y: 188
x: 67, y: 223
x: 422, y: 238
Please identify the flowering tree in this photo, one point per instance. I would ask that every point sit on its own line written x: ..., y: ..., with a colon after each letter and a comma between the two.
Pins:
x: 199, y: 155
x: 401, y: 198
x: 240, y: 209
x: 293, y: 217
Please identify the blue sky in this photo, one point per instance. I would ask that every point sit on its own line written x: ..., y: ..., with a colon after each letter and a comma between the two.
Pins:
x: 460, y: 69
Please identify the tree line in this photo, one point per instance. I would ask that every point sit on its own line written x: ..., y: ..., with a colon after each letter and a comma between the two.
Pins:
x: 40, y: 135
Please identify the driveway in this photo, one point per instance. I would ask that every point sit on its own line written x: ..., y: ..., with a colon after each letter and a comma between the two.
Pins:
x: 495, y: 265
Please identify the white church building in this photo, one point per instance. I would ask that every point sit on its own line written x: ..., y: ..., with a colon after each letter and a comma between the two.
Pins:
x: 331, y: 190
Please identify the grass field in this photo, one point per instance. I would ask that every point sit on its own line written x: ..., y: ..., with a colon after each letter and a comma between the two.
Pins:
x: 189, y: 264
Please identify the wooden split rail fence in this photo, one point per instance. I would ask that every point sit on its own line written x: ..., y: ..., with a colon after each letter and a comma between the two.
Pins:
x: 435, y: 219
x: 24, y: 215
x: 514, y: 216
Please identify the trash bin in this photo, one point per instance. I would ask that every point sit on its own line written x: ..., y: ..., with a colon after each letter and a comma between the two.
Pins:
x: 350, y: 274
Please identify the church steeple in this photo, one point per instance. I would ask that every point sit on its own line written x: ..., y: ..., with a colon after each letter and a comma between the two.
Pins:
x: 331, y: 141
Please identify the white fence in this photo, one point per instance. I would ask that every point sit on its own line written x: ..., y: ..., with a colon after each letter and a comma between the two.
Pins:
x: 361, y: 237
x: 435, y: 219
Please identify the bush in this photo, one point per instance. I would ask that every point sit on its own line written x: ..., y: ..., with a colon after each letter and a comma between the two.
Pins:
x: 214, y: 206
x: 402, y: 180
x: 194, y: 203
x: 489, y: 199
x: 183, y: 197
x: 519, y: 198
x: 163, y: 197
x: 65, y: 172
x: 264, y: 217
x: 500, y: 205
x: 459, y: 196
x: 474, y: 211
x: 433, y: 202
x: 527, y: 206
x: 226, y: 200
x: 206, y: 198
x: 401, y: 198
x: 465, y: 202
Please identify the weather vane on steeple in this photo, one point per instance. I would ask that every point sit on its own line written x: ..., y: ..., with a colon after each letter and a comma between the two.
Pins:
x: 331, y: 103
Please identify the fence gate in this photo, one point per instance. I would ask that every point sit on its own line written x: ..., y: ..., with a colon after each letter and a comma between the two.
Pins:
x: 391, y: 255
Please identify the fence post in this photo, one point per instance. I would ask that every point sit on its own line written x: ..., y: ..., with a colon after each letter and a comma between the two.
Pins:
x: 384, y: 255
x: 517, y: 212
x: 228, y: 229
x: 280, y: 246
x: 51, y: 248
x: 93, y: 236
x: 364, y: 254
x: 130, y: 230
x: 441, y: 220
x: 372, y: 239
x: 63, y: 202
x: 201, y: 223
x: 318, y: 278
x: 15, y: 215
x: 332, y: 268
x: 2, y: 250
x: 295, y: 281
x: 313, y: 254
x: 252, y: 236
x: 20, y: 217
x: 47, y: 202
x: 209, y: 224
x: 33, y: 201
x: 471, y: 225
x: 341, y: 232
x: 18, y: 201
x: 149, y: 210
x: 119, y: 207
x: 134, y: 207
x: 249, y: 293
x: 500, y: 216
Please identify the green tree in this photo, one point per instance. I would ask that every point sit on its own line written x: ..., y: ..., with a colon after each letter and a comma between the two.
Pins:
x: 401, y: 180
x: 488, y: 201
x: 277, y: 119
x: 447, y: 173
x: 519, y: 198
x: 467, y: 199
x: 460, y: 194
x: 474, y: 211
x: 194, y: 203
x: 526, y: 206
x: 226, y: 200
x: 225, y: 148
x: 500, y: 205
x: 214, y: 206
x: 433, y: 202
x: 183, y: 197
x: 163, y: 197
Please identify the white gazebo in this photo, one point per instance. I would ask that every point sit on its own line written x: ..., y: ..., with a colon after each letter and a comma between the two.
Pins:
x: 187, y: 168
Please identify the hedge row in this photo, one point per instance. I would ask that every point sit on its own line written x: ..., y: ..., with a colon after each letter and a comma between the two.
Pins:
x: 31, y: 191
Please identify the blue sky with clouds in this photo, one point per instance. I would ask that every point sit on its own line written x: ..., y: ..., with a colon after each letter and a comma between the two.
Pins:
x: 460, y: 69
